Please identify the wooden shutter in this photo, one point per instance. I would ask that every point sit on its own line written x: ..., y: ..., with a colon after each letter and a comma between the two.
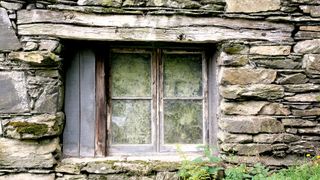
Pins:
x: 79, y: 132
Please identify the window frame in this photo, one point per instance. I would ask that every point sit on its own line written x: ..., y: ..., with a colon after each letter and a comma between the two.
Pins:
x: 103, y: 99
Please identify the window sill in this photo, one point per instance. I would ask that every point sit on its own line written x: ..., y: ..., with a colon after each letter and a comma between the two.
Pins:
x: 140, y: 165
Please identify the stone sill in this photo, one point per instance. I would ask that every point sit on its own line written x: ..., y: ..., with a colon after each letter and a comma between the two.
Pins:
x: 136, y: 165
x: 147, y: 158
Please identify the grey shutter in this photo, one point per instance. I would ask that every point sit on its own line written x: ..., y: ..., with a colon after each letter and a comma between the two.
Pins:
x: 79, y: 132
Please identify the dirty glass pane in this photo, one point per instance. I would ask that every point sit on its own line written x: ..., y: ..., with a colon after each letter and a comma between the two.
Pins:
x: 182, y: 75
x: 131, y: 74
x: 183, y: 122
x: 131, y: 122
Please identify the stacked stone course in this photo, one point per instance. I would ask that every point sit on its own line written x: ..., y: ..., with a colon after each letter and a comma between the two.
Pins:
x: 269, y: 84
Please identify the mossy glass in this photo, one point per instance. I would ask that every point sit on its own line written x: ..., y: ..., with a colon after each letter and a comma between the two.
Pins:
x: 182, y: 75
x: 131, y: 122
x: 183, y: 122
x: 131, y: 74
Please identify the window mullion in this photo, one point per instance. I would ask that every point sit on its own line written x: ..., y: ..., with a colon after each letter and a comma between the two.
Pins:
x: 159, y: 69
x: 205, y: 99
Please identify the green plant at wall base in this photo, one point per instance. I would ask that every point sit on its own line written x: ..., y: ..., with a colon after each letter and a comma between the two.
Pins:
x: 201, y: 168
x: 309, y: 171
x: 257, y: 172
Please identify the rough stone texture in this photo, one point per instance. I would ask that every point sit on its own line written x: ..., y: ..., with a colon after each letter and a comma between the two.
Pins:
x: 232, y: 60
x: 2, y: 57
x: 250, y: 124
x: 13, y: 92
x: 253, y: 108
x: 247, y: 149
x: 278, y: 64
x: 309, y: 28
x: 309, y: 46
x: 28, y: 154
x: 73, y: 177
x: 135, y: 168
x: 234, y: 138
x: 246, y: 6
x: 35, y: 57
x: 304, y: 147
x: 34, y: 127
x: 30, y: 46
x: 247, y: 76
x: 270, y: 50
x: 298, y: 123
x: 275, y: 109
x: 46, y: 91
x: 48, y: 45
x: 242, y: 108
x: 71, y: 165
x: 100, y: 168
x: 312, y: 63
x: 315, y: 11
x: 11, y: 5
x: 268, y: 161
x: 258, y: 91
x: 272, y: 92
x: 113, y: 3
x: 176, y: 4
x: 306, y: 97
x: 118, y: 177
x: 275, y: 138
x: 298, y: 78
x: 308, y: 112
x: 234, y: 48
x: 24, y: 176
x: 9, y: 40
x: 300, y: 88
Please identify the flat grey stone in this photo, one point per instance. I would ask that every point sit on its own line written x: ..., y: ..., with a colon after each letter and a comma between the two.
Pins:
x: 11, y: 5
x: 28, y: 154
x: 243, y: 6
x: 13, y: 93
x: 8, y: 38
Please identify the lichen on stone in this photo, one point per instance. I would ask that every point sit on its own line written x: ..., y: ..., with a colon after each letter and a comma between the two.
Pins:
x: 29, y: 128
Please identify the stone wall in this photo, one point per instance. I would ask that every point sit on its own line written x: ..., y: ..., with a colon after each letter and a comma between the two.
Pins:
x: 269, y: 78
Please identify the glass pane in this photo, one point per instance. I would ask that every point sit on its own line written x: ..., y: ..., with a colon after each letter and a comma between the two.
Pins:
x: 131, y: 122
x: 131, y: 74
x: 183, y: 122
x: 182, y: 75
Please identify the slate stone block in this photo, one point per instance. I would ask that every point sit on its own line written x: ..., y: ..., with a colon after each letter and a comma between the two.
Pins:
x: 8, y: 38
x: 13, y: 93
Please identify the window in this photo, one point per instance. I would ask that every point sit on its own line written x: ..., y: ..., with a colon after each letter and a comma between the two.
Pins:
x: 147, y: 100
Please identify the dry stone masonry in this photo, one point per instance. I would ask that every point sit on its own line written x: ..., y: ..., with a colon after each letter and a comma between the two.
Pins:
x: 268, y: 73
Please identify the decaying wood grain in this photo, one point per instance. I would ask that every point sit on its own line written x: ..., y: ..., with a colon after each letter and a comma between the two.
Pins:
x: 75, y: 25
x: 101, y: 110
x: 181, y: 34
x: 139, y: 21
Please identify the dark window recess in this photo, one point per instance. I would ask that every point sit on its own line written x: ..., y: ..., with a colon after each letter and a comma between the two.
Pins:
x: 138, y: 101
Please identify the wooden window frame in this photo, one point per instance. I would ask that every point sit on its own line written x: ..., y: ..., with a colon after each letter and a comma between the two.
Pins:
x: 103, y: 100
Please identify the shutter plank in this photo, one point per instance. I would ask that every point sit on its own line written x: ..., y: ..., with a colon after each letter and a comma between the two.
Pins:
x: 87, y: 103
x: 71, y: 132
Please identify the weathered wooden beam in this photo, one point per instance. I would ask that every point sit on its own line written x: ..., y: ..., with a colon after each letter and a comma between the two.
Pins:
x: 139, y: 21
x: 179, y: 34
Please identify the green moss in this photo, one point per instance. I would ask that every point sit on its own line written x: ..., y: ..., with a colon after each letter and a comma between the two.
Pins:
x: 57, y: 127
x: 165, y: 166
x: 30, y: 128
x: 107, y: 3
x: 233, y: 48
